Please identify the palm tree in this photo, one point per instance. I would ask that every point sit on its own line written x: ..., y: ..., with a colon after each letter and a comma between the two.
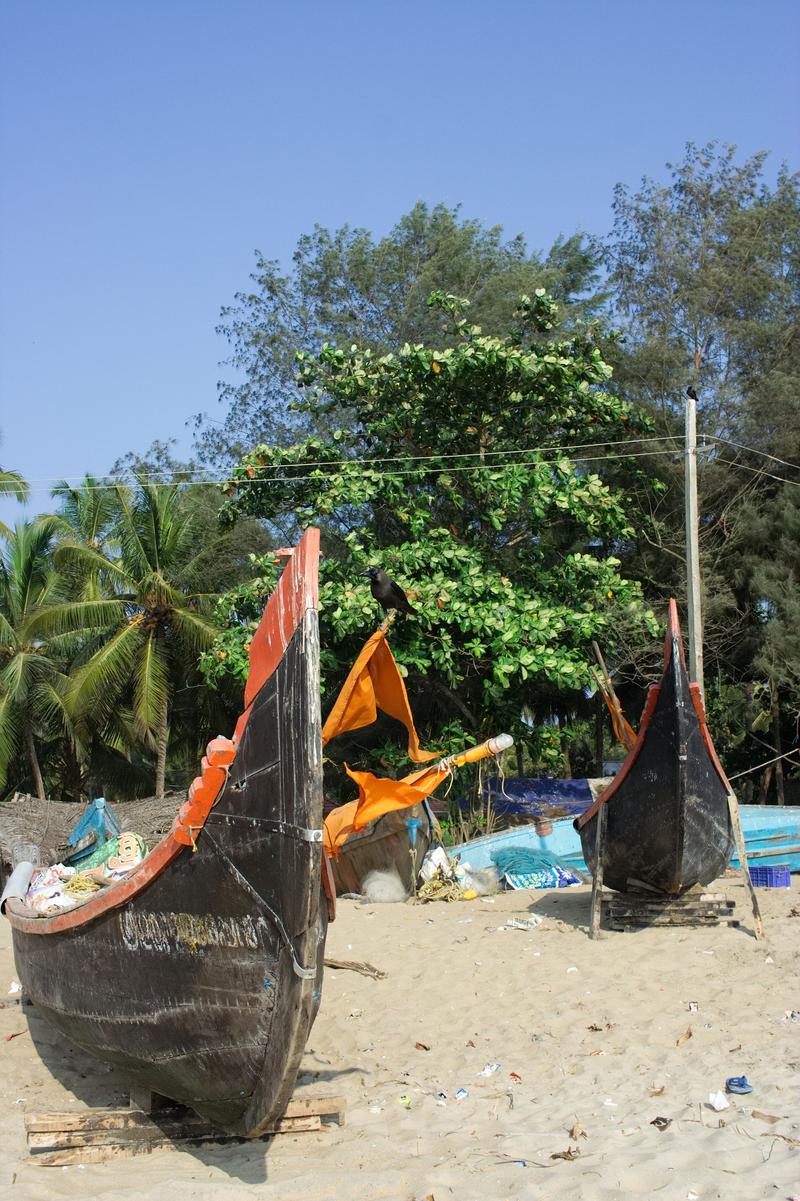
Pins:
x: 32, y: 684
x: 11, y: 484
x: 144, y: 636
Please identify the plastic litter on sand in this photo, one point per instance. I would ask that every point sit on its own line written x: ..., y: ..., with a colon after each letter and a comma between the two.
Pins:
x: 490, y: 1069
x: 738, y: 1084
x: 718, y: 1102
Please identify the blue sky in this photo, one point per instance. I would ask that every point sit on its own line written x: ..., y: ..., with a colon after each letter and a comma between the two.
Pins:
x: 148, y: 148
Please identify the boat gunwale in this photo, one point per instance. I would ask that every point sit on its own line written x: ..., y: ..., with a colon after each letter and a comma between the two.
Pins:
x: 285, y: 609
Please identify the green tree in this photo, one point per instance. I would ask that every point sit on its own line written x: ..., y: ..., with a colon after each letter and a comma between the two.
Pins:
x: 346, y: 286
x: 32, y: 684
x: 459, y: 471
x: 707, y: 290
x: 142, y: 641
x: 11, y: 484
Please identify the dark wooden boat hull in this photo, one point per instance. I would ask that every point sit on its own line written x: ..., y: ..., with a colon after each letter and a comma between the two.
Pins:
x: 383, y: 845
x: 203, y: 979
x: 668, y: 826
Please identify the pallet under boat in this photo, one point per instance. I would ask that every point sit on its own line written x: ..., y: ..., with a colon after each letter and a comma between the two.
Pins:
x: 200, y: 973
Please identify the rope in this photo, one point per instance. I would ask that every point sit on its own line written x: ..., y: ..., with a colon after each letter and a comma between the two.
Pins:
x: 766, y: 763
x: 81, y: 886
x: 440, y: 890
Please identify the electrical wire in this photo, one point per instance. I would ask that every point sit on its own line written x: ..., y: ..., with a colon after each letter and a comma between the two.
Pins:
x: 759, y: 471
x: 420, y: 470
x: 467, y: 454
x: 752, y: 450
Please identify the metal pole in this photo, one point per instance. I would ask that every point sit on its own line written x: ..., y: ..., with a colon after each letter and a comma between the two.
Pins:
x: 693, y: 548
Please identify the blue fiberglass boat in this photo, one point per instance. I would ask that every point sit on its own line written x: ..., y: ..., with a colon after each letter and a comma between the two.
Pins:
x: 771, y: 836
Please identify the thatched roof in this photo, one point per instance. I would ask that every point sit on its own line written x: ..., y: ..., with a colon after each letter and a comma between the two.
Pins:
x: 48, y: 823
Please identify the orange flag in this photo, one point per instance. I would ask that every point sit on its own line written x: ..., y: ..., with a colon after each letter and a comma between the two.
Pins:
x: 374, y: 683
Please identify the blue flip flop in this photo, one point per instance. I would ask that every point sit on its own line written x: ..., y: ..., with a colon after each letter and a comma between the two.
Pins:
x: 738, y: 1084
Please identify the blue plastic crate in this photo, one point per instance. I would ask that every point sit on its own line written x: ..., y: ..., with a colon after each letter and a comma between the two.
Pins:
x: 771, y: 877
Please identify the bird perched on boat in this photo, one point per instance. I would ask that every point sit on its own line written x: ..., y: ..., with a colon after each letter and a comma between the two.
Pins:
x: 387, y: 593
x: 690, y: 392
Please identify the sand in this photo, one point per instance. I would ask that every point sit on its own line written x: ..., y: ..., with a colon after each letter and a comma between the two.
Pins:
x: 593, y: 1033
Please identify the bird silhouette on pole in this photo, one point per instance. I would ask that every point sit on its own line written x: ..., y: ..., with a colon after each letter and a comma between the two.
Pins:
x: 387, y: 593
x: 690, y: 392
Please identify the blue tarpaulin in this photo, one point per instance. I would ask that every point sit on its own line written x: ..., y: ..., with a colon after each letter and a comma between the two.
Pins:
x: 539, y: 798
x: 95, y: 826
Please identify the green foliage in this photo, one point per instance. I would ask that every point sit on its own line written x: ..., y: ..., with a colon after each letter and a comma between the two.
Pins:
x: 458, y: 473
x: 11, y: 484
x: 32, y: 686
x: 346, y: 286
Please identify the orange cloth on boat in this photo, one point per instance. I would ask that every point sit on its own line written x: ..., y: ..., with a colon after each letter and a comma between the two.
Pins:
x: 374, y: 683
x: 623, y: 730
x: 376, y: 796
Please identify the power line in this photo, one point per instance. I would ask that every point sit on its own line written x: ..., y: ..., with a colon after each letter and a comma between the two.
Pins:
x: 420, y: 470
x: 467, y: 454
x: 759, y: 471
x: 752, y: 450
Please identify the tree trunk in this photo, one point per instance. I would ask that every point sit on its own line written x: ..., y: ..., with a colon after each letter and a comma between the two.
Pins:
x: 599, y: 718
x: 162, y: 736
x: 38, y: 782
x: 71, y: 786
x: 765, y: 780
x: 564, y: 751
x: 776, y: 737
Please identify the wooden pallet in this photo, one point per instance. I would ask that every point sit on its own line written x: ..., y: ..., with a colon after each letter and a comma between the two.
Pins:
x: 59, y: 1139
x: 634, y: 910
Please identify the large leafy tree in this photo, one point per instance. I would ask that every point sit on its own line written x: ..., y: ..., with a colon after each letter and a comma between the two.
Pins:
x: 347, y: 286
x: 462, y: 470
x: 707, y: 289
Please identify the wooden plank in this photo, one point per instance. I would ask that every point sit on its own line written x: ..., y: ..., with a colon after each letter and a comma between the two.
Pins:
x: 647, y: 906
x: 597, y: 883
x: 637, y: 925
x: 733, y: 808
x: 322, y: 1106
x: 171, y: 1132
x: 100, y: 1152
x: 122, y: 1119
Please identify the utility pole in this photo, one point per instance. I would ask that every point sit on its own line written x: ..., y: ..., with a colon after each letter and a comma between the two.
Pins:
x: 692, y: 546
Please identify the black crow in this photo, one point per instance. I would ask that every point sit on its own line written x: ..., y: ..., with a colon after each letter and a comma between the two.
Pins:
x: 690, y: 392
x: 388, y: 594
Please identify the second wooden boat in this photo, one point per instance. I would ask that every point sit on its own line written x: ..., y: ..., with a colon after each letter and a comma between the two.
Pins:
x: 668, y: 827
x: 386, y: 844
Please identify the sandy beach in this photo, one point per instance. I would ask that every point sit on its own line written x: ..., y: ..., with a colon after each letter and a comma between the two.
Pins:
x: 590, y: 1039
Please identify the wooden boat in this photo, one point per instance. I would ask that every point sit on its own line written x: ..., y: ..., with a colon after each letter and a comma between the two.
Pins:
x: 383, y: 845
x: 667, y: 821
x: 200, y: 972
x: 387, y: 842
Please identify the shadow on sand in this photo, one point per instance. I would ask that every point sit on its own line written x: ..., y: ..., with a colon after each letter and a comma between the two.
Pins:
x: 98, y: 1086
x: 569, y: 905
